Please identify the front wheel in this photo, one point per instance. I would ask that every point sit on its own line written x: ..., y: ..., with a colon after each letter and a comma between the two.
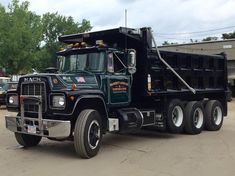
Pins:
x: 27, y: 140
x: 87, y: 133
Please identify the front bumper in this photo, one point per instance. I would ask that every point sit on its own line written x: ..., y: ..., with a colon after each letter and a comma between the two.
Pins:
x: 34, y: 126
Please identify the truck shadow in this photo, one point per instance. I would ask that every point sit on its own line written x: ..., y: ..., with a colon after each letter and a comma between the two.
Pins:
x: 54, y: 148
x: 66, y: 150
x: 134, y: 139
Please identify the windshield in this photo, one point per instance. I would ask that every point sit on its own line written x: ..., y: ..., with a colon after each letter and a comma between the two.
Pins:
x: 88, y: 62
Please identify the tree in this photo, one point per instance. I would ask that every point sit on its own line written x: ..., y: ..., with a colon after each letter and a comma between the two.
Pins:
x: 228, y: 35
x: 54, y: 25
x: 210, y: 39
x: 166, y: 43
x: 28, y: 40
x: 20, y: 35
x: 2, y: 31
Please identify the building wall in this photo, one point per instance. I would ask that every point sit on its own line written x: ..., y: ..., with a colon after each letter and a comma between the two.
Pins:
x: 212, y: 47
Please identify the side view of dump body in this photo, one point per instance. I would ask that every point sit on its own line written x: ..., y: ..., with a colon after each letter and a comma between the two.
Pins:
x: 117, y: 81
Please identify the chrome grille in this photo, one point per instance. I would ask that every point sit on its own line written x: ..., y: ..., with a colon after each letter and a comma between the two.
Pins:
x: 34, y: 89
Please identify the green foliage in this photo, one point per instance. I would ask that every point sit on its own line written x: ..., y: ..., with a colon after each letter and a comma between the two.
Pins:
x: 210, y: 39
x: 28, y: 40
x: 20, y: 34
x: 166, y: 43
x: 53, y: 26
x: 228, y: 35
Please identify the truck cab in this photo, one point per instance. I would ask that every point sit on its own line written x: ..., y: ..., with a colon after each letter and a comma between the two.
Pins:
x: 99, y: 67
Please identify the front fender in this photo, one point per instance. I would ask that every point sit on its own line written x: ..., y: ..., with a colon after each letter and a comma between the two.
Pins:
x: 79, y: 105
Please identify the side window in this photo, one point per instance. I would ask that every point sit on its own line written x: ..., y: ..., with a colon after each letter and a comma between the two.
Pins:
x: 115, y: 62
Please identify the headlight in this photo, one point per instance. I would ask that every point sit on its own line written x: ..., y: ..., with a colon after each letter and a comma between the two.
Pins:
x: 13, y: 100
x: 58, y: 101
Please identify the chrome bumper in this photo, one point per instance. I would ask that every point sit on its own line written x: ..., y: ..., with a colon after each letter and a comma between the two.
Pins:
x: 44, y: 127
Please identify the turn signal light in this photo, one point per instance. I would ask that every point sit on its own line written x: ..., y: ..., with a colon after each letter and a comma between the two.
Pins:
x: 21, y: 99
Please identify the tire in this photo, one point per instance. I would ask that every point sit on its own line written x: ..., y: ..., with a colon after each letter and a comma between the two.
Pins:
x: 175, y: 116
x: 194, y: 117
x: 213, y: 115
x: 87, y: 133
x: 27, y: 140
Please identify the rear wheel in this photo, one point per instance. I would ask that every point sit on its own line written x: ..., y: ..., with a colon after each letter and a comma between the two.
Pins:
x: 213, y: 115
x: 27, y: 140
x: 87, y: 133
x: 175, y: 116
x: 194, y: 117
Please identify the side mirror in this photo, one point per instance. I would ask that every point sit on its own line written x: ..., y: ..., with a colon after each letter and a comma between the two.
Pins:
x: 59, y: 63
x: 131, y: 61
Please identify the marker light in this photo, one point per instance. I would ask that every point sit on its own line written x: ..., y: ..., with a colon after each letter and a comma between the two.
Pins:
x: 74, y: 87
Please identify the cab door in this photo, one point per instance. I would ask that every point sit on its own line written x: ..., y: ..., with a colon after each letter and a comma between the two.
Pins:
x: 118, y: 81
x: 118, y: 89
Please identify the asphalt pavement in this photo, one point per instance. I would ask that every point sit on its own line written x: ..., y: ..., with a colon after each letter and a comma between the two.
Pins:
x: 148, y: 153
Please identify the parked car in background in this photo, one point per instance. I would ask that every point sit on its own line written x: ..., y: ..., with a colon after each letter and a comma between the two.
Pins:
x: 3, y: 90
x: 4, y: 80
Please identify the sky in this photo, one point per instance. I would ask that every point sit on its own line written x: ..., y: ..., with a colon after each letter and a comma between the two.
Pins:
x: 171, y: 20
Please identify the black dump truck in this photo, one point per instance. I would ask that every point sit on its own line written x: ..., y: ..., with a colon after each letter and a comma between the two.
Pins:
x: 118, y: 81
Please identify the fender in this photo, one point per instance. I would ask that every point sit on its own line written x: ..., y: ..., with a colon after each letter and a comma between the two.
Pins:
x: 85, y: 97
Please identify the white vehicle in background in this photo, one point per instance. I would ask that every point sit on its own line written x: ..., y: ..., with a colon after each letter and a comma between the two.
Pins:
x: 4, y: 80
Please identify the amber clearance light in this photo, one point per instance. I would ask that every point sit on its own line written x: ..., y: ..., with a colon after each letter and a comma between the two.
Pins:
x: 76, y: 45
x: 74, y: 87
x: 62, y: 49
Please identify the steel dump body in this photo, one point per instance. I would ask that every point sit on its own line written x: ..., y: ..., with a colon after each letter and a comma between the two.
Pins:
x: 204, y: 73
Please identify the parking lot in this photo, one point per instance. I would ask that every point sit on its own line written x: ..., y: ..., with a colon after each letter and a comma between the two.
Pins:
x: 145, y: 154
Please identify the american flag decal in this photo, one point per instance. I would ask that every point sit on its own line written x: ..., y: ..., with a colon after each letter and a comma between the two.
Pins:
x: 80, y: 79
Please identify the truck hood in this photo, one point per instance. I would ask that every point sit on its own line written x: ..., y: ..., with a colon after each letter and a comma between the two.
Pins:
x: 63, y: 81
x: 81, y: 80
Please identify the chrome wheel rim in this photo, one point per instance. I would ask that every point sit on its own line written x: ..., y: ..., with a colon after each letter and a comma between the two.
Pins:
x: 177, y: 116
x: 198, y: 118
x: 93, y: 134
x: 217, y: 115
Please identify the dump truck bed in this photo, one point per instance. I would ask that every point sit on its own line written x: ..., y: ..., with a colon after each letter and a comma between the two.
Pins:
x: 201, y: 72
